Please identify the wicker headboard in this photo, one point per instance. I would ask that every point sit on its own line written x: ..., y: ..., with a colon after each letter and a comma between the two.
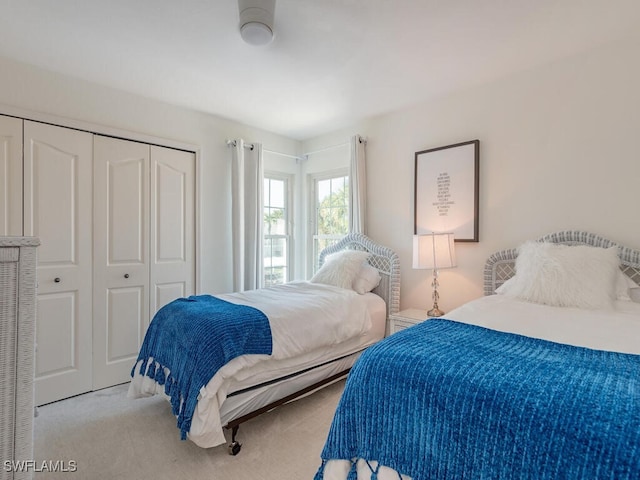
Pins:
x: 382, y: 258
x: 500, y: 266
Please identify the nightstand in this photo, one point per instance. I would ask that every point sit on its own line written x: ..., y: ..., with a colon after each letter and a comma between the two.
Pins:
x: 406, y: 318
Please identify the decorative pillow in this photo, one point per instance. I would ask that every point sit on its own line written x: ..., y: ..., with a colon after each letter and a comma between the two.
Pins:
x: 624, y: 286
x: 564, y: 276
x: 634, y: 294
x: 340, y: 269
x: 367, y: 279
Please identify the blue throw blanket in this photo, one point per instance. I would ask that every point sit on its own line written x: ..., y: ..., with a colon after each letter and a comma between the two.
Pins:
x: 446, y: 400
x: 193, y: 338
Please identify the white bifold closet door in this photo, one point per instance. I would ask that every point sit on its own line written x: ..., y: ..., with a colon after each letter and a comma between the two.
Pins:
x: 57, y: 209
x: 144, y: 246
x: 172, y: 229
x: 116, y: 222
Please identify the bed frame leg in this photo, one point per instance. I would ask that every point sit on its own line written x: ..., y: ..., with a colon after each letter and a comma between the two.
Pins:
x: 234, y: 447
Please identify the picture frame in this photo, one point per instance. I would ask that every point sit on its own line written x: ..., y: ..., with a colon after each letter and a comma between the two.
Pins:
x: 446, y: 190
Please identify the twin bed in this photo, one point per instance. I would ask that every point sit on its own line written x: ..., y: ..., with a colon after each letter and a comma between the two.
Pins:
x: 318, y: 329
x: 538, y: 381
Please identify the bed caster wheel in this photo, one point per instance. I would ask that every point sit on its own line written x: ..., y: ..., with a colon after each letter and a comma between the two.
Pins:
x: 234, y: 448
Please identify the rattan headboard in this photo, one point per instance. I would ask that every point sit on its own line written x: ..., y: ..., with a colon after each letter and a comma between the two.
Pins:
x: 500, y: 266
x: 382, y: 258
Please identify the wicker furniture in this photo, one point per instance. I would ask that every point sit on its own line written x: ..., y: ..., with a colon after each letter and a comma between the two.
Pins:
x: 383, y: 258
x: 17, y: 348
x: 500, y: 266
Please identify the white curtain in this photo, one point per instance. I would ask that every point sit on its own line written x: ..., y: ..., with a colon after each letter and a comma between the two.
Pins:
x: 357, y: 186
x: 247, y: 206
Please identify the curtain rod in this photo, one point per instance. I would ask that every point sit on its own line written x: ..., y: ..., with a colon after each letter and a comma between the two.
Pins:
x: 273, y: 152
x: 304, y: 156
x: 360, y: 139
x: 295, y: 157
x: 325, y: 149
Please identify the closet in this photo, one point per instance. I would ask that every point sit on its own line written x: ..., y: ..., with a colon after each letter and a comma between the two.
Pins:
x: 116, y: 222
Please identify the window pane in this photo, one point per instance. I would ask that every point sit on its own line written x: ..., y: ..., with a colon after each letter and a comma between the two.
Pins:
x: 275, y: 260
x: 333, y: 206
x: 275, y: 251
x: 277, y: 193
x: 278, y: 225
x: 332, y: 213
x: 324, y: 189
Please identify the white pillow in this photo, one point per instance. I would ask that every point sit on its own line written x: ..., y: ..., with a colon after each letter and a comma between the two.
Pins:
x: 624, y: 286
x: 367, y: 279
x: 564, y: 276
x: 340, y: 269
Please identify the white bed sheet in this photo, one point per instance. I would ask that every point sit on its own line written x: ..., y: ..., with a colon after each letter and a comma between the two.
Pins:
x: 313, y: 321
x: 616, y: 330
x: 347, y: 353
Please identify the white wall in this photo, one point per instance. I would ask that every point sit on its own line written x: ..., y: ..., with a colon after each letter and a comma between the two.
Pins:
x: 558, y: 150
x: 24, y: 88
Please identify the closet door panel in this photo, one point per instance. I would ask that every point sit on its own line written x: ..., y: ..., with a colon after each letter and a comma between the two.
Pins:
x: 10, y: 176
x: 121, y: 257
x: 57, y: 209
x: 125, y: 312
x: 172, y: 225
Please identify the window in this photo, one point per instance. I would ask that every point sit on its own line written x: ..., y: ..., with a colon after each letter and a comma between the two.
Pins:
x: 276, y: 252
x: 331, y: 209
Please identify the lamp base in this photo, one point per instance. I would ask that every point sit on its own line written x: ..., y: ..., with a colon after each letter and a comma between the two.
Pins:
x: 435, y: 312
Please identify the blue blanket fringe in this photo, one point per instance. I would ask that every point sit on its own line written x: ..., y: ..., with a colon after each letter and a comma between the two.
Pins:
x: 448, y: 400
x: 190, y: 339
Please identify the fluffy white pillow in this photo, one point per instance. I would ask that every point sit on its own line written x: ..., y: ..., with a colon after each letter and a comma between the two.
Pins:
x: 564, y: 276
x: 367, y: 279
x: 624, y: 287
x: 340, y: 269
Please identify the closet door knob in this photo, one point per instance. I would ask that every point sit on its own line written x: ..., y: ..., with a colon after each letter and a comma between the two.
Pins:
x: 57, y: 279
x: 126, y: 275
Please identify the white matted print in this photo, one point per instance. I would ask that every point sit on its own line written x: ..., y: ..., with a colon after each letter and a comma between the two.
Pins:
x: 446, y: 190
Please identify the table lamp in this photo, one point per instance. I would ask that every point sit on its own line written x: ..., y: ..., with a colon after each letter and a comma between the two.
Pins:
x: 434, y: 251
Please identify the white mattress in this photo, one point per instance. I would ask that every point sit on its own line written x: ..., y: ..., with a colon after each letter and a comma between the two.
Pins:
x: 340, y: 322
x: 617, y: 330
x: 330, y: 360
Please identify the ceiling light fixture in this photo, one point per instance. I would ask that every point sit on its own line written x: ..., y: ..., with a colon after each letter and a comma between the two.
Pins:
x: 256, y: 21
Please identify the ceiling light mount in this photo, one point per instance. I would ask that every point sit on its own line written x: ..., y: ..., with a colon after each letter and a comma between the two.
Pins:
x: 256, y: 21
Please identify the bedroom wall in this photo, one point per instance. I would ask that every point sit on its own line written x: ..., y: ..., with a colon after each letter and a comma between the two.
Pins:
x: 24, y: 88
x: 558, y: 150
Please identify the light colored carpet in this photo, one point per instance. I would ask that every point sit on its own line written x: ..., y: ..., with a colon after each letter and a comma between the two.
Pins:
x: 112, y: 437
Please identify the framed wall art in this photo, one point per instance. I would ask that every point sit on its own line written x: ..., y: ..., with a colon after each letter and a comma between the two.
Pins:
x: 447, y: 190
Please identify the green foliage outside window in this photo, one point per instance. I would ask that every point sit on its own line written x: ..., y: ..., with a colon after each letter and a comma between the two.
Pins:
x: 333, y: 213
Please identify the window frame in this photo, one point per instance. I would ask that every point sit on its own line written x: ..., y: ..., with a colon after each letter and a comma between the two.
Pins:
x: 313, y: 179
x: 288, y: 236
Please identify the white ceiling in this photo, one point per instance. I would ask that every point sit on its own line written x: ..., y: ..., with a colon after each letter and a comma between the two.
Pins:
x: 332, y: 62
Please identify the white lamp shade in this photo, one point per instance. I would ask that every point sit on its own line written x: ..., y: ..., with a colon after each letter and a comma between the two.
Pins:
x: 434, y: 251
